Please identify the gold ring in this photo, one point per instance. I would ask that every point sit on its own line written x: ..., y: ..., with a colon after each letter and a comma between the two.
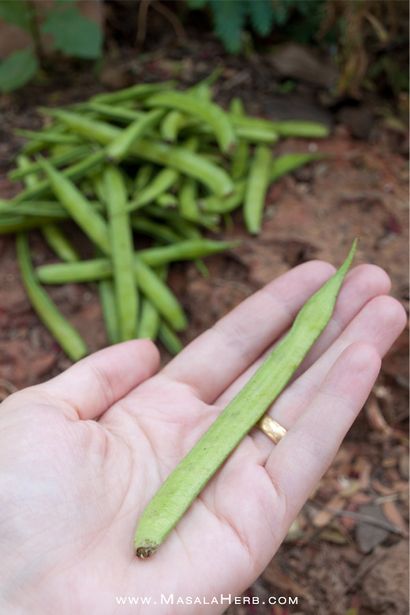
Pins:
x: 272, y: 429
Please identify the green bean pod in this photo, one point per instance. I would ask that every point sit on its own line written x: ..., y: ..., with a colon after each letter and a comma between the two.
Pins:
x: 143, y: 176
x: 54, y: 237
x: 65, y: 334
x: 120, y: 146
x: 88, y: 128
x: 166, y: 200
x: 109, y: 310
x: 79, y: 208
x: 159, y: 231
x: 240, y: 161
x: 188, y: 163
x: 290, y: 162
x: 258, y: 182
x: 185, y: 228
x: 120, y: 114
x: 35, y: 146
x: 101, y: 268
x: 249, y: 405
x: 254, y: 128
x: 188, y: 200
x: 256, y: 135
x: 162, y: 182
x: 175, y: 121
x: 134, y: 92
x: 213, y: 204
x: 159, y: 294
x: 169, y: 339
x: 74, y: 172
x: 47, y: 138
x: 15, y: 224
x: 301, y: 128
x: 122, y: 253
x: 59, y: 243
x: 177, y: 158
x: 58, y: 160
x: 206, y: 111
x: 172, y: 123
x: 149, y: 321
x: 236, y: 107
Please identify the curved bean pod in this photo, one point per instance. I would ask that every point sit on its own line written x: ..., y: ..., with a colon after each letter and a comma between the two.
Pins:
x: 109, y: 310
x: 143, y: 176
x: 101, y: 268
x: 76, y: 171
x: 177, y: 158
x: 149, y: 322
x: 258, y: 182
x: 171, y: 125
x: 160, y: 295
x: 301, y: 128
x: 164, y: 180
x: 167, y: 199
x: 122, y: 252
x: 290, y: 162
x: 120, y: 146
x: 154, y: 229
x: 15, y: 224
x: 134, y: 92
x: 79, y: 208
x: 120, y: 114
x: 249, y: 405
x: 59, y: 243
x: 217, y: 205
x: 58, y: 160
x: 169, y: 339
x: 54, y: 236
x: 240, y: 160
x: 150, y: 319
x: 48, y: 137
x: 206, y: 111
x: 65, y: 334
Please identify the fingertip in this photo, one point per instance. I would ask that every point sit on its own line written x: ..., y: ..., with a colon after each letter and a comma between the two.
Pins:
x: 318, y: 267
x: 370, y: 280
x: 361, y: 356
x: 135, y: 350
x: 147, y: 347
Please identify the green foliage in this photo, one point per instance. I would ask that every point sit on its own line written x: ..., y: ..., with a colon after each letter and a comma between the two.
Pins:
x: 231, y: 17
x: 72, y: 34
x: 16, y: 13
x: 261, y: 14
x: 17, y: 69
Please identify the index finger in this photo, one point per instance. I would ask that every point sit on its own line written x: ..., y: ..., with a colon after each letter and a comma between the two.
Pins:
x: 216, y: 358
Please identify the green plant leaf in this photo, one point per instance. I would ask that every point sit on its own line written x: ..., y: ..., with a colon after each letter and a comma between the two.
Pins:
x: 281, y: 12
x: 197, y: 4
x: 17, y: 69
x: 229, y: 18
x: 17, y: 13
x: 73, y: 34
x: 261, y: 15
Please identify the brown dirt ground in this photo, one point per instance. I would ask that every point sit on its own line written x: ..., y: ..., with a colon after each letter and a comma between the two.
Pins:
x: 361, y: 190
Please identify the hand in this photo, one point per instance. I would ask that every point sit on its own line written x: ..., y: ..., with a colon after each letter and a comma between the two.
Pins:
x: 81, y: 454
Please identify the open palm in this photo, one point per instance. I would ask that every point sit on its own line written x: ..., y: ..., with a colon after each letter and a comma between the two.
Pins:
x: 81, y: 455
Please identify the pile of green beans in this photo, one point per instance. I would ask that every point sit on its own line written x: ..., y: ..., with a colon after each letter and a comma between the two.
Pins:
x: 148, y: 163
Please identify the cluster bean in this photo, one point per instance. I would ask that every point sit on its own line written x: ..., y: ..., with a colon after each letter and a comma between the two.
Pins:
x: 194, y: 471
x: 135, y: 177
